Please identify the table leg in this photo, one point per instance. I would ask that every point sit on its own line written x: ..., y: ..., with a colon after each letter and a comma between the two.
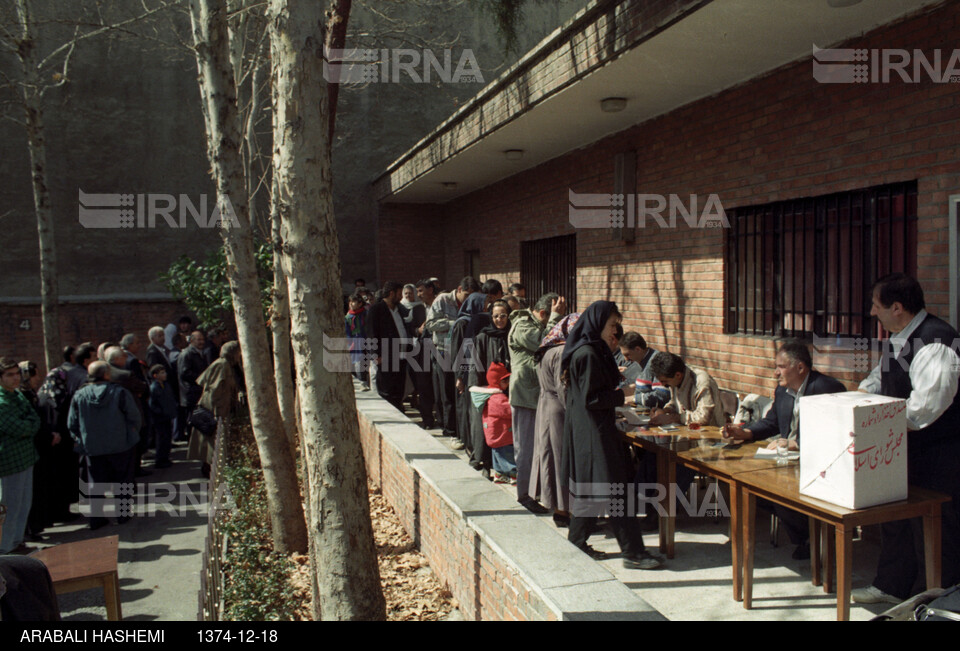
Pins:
x: 664, y: 512
x: 815, y: 551
x: 844, y: 538
x: 736, y: 540
x: 111, y: 595
x: 829, y: 561
x: 932, y: 551
x: 671, y: 520
x: 748, y: 516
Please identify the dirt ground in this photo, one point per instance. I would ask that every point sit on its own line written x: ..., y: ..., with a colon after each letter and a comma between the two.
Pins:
x: 412, y: 591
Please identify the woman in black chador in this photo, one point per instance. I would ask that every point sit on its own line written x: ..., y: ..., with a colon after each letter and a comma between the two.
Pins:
x: 594, y: 455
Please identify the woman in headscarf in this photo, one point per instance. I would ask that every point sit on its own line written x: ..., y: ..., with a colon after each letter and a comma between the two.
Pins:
x: 546, y: 480
x: 595, y: 458
x: 490, y: 346
x: 470, y: 321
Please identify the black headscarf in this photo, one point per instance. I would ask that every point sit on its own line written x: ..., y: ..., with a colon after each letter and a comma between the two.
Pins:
x: 472, y: 312
x: 588, y: 331
x: 494, y: 332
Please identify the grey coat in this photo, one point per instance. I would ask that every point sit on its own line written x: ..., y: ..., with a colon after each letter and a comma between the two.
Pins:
x: 546, y: 480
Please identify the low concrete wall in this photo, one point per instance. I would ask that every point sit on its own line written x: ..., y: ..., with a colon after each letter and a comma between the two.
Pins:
x: 499, y: 561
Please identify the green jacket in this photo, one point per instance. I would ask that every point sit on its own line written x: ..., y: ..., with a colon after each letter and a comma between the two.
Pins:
x: 526, y: 334
x: 19, y: 424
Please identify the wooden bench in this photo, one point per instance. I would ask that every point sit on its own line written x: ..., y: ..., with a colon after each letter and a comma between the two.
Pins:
x: 84, y: 565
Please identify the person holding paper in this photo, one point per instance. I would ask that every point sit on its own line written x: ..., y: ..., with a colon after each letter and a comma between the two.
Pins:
x: 920, y: 363
x: 796, y: 378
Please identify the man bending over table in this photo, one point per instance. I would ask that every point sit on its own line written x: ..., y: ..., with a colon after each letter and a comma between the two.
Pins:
x: 694, y: 395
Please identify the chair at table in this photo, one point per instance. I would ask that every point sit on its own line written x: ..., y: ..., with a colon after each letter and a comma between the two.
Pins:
x: 730, y: 401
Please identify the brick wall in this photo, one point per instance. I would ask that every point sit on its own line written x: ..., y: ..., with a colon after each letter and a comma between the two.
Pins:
x: 499, y: 561
x: 410, y: 243
x: 779, y: 137
x: 79, y: 322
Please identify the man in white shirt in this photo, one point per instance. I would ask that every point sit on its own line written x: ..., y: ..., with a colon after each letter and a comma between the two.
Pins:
x: 920, y: 364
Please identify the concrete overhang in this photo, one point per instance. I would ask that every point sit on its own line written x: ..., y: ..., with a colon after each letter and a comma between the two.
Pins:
x: 658, y: 63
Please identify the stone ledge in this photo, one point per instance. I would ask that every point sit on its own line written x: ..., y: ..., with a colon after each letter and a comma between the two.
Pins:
x: 570, y: 584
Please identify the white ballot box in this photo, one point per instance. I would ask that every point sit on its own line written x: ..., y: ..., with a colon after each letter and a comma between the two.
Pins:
x: 853, y: 449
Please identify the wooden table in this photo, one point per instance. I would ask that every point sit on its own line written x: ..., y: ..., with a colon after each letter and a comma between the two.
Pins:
x: 83, y: 565
x: 698, y: 449
x: 781, y: 485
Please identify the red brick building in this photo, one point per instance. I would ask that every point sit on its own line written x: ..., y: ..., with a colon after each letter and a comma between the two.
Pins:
x: 829, y: 175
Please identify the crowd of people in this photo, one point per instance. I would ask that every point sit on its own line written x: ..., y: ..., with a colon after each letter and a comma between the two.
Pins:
x: 95, y: 417
x: 530, y: 393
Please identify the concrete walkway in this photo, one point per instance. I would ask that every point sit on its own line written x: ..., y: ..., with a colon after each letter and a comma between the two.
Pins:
x: 697, y: 584
x: 160, y: 564
x: 160, y: 555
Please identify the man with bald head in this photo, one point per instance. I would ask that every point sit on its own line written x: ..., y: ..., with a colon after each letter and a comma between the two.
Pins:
x: 105, y: 421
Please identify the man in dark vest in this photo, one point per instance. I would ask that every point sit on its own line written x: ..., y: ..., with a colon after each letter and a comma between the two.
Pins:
x: 920, y: 363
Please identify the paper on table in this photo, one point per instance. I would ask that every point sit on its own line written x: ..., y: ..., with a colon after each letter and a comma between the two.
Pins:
x: 764, y: 453
x: 632, y: 417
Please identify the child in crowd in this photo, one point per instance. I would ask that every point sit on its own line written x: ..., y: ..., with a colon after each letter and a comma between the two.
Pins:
x: 356, y: 329
x: 497, y: 429
x: 163, y: 409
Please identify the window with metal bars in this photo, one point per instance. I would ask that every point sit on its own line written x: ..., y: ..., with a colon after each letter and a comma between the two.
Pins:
x: 803, y: 267
x: 550, y: 265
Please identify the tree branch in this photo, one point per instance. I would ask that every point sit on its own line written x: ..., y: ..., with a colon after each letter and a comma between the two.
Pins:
x: 105, y: 28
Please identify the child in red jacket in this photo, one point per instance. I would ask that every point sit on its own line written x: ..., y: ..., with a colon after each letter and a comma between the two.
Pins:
x: 497, y: 429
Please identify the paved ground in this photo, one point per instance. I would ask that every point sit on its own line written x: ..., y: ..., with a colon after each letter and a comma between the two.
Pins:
x: 697, y: 583
x: 160, y: 560
x: 160, y: 555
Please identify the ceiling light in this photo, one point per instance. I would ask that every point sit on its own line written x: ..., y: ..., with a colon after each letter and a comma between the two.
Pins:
x: 839, y: 4
x: 613, y: 104
x: 449, y: 185
x: 513, y: 154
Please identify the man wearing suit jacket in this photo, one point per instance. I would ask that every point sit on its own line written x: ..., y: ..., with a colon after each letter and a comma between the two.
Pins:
x: 190, y: 365
x: 157, y: 354
x: 794, y: 371
x: 386, y: 322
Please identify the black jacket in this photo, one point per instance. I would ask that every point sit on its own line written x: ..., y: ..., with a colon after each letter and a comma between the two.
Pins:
x: 383, y: 329
x: 156, y: 355
x: 593, y: 450
x: 190, y: 365
x: 777, y: 420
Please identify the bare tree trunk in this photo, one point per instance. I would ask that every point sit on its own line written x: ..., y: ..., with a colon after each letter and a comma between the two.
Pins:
x: 32, y: 102
x: 346, y: 565
x: 280, y: 326
x: 209, y: 22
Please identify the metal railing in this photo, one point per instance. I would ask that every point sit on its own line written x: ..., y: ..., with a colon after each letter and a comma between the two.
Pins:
x: 211, y: 600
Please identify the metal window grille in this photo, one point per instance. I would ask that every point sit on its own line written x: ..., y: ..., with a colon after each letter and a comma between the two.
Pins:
x: 550, y: 265
x: 806, y: 266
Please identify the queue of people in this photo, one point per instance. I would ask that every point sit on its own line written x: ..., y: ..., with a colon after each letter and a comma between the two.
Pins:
x: 563, y: 376
x: 94, y: 417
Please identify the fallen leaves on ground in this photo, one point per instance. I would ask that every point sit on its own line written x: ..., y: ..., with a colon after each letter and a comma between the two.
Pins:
x: 412, y: 591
